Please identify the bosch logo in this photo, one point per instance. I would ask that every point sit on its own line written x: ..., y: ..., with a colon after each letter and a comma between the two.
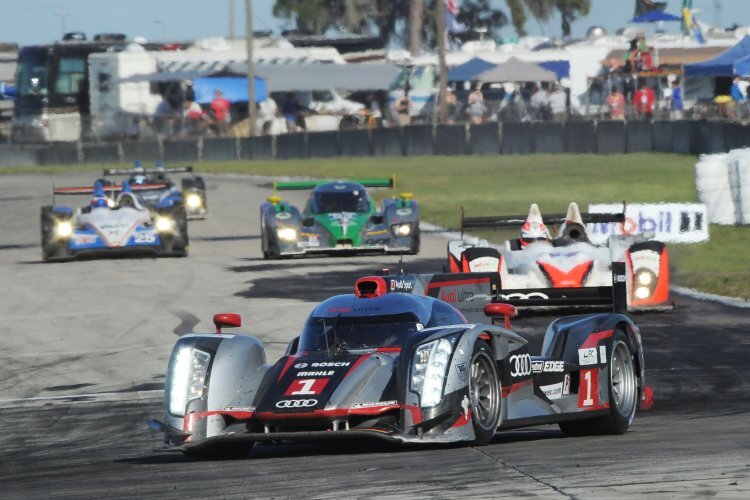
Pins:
x: 520, y: 365
x: 299, y: 366
x: 297, y: 403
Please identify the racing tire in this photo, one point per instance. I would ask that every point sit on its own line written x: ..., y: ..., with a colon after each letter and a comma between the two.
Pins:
x: 177, y: 245
x: 222, y: 451
x: 51, y: 250
x: 415, y: 241
x: 622, y: 388
x: 485, y: 399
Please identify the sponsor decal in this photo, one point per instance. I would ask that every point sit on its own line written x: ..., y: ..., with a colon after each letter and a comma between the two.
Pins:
x: 299, y: 366
x: 239, y: 408
x: 319, y: 373
x: 306, y: 387
x: 403, y: 211
x: 400, y: 285
x: 587, y: 356
x: 554, y: 391
x: 456, y: 295
x: 296, y: 403
x: 373, y: 404
x: 341, y: 186
x: 603, y: 353
x: 524, y: 296
x: 379, y: 232
x: 84, y: 239
x: 668, y: 222
x: 566, y: 385
x: 537, y: 366
x: 283, y: 215
x: 465, y: 406
x: 520, y: 365
x: 554, y: 366
x: 462, y: 372
x: 323, y: 364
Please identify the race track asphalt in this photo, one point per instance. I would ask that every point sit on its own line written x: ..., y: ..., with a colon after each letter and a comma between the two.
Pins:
x: 84, y: 345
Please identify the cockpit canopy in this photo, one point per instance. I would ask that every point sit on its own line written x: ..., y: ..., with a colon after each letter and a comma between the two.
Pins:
x: 339, y: 197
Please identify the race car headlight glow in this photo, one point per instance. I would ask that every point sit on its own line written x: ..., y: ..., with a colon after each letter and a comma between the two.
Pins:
x: 111, y: 203
x: 286, y: 233
x: 645, y: 283
x: 64, y: 229
x: 163, y: 224
x: 188, y: 377
x: 644, y: 278
x: 401, y: 229
x: 193, y: 201
x: 428, y: 370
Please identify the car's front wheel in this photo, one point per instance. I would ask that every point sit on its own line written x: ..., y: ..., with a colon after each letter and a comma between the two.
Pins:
x: 484, y: 394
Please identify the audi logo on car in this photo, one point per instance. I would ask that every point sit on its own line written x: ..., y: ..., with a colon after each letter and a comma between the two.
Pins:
x: 296, y: 403
x: 520, y: 365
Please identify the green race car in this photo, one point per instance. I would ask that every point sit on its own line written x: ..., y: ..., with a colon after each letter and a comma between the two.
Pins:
x: 339, y: 217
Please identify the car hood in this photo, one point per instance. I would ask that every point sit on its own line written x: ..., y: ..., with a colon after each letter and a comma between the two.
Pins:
x: 114, y: 226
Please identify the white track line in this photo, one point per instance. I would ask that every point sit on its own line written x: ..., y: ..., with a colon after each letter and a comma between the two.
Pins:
x: 97, y: 396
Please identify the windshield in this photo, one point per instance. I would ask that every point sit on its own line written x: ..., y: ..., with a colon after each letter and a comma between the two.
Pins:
x: 352, y: 333
x: 31, y: 74
x: 351, y: 201
x: 71, y: 73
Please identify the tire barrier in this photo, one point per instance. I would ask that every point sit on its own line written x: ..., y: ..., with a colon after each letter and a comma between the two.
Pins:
x: 325, y: 145
x: 610, y: 137
x: 181, y: 151
x: 517, y: 138
x: 144, y: 151
x: 386, y: 142
x: 714, y: 190
x: 638, y: 137
x: 418, y: 140
x: 291, y: 146
x: 259, y: 148
x: 355, y: 143
x: 579, y: 137
x: 484, y: 139
x: 218, y: 149
x: 450, y: 140
x: 739, y: 183
x: 549, y: 137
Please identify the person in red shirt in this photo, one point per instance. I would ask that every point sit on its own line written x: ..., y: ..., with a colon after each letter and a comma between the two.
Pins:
x: 643, y: 101
x: 220, y: 110
x: 616, y: 104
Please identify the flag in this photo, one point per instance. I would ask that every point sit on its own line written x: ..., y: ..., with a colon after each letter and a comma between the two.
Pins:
x: 645, y: 6
x: 453, y: 26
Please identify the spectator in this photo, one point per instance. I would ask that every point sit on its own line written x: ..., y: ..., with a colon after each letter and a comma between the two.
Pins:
x: 195, y: 119
x: 558, y: 103
x: 220, y: 111
x: 739, y: 97
x: 647, y: 59
x: 290, y: 108
x: 616, y: 104
x: 477, y: 109
x: 539, y: 102
x: 402, y: 109
x: 676, y: 106
x: 164, y: 118
x: 643, y: 101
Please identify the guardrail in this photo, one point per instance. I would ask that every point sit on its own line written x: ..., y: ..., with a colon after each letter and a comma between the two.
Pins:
x: 597, y: 137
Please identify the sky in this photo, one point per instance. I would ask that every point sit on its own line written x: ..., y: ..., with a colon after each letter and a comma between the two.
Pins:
x: 40, y: 21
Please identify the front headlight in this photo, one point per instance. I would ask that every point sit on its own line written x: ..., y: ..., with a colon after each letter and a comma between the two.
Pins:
x: 644, y: 278
x: 642, y: 292
x: 163, y: 224
x: 286, y: 233
x: 428, y: 371
x: 401, y: 229
x: 64, y: 229
x: 188, y: 377
x: 645, y: 283
x: 193, y: 201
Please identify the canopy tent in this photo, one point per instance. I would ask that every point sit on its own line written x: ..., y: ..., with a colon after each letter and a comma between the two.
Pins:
x: 561, y: 68
x: 655, y: 16
x: 723, y: 64
x: 468, y: 70
x: 742, y: 67
x: 516, y: 70
x: 234, y: 89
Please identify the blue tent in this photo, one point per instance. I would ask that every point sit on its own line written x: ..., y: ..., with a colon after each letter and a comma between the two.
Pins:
x: 468, y: 70
x: 723, y: 64
x: 561, y: 68
x: 233, y: 88
x: 742, y: 67
x: 655, y: 16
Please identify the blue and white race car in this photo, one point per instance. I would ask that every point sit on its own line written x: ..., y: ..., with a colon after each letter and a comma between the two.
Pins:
x: 112, y: 225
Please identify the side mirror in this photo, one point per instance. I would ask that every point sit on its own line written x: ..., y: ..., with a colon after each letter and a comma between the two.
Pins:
x: 500, y: 309
x: 292, y: 347
x: 227, y: 320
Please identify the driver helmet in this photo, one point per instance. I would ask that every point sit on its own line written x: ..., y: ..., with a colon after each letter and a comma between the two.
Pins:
x: 139, y: 174
x: 99, y: 199
x: 533, y: 228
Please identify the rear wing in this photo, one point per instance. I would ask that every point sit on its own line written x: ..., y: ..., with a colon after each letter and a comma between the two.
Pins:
x: 112, y: 188
x: 518, y: 220
x: 470, y: 292
x: 131, y: 171
x: 312, y: 184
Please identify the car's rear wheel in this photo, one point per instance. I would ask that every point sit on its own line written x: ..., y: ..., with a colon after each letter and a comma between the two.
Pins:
x: 623, y: 394
x: 484, y: 394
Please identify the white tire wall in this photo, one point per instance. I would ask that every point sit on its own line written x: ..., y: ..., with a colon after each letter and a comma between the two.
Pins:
x: 714, y: 189
x: 743, y: 174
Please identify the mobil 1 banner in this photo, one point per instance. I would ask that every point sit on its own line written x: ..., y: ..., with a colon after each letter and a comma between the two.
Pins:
x: 666, y: 222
